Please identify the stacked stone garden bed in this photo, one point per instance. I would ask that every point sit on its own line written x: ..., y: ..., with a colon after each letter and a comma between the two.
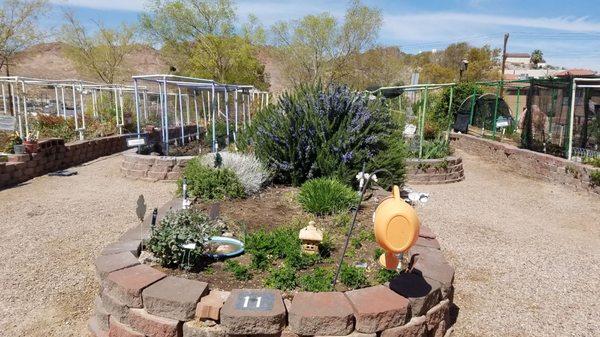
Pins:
x: 140, y: 300
x: 434, y: 171
x: 155, y: 166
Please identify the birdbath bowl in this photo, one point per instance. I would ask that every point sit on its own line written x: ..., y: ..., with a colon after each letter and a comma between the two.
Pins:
x: 224, y: 247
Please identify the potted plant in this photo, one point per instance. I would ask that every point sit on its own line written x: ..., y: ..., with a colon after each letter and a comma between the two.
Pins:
x: 31, y: 143
x: 17, y: 144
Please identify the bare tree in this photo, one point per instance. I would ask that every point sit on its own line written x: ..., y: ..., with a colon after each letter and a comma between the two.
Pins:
x: 101, y: 54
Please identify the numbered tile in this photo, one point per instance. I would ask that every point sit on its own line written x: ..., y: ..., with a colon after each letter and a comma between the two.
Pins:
x: 249, y: 311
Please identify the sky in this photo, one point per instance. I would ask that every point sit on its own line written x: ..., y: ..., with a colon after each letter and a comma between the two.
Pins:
x: 567, y: 31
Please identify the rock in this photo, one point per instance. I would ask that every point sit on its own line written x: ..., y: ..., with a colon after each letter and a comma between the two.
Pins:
x: 153, y: 326
x: 253, y: 312
x: 421, y: 292
x: 377, y: 308
x: 106, y: 264
x: 417, y: 327
x: 327, y: 313
x: 210, y: 305
x: 196, y: 328
x: 121, y: 330
x: 127, y: 284
x: 174, y: 297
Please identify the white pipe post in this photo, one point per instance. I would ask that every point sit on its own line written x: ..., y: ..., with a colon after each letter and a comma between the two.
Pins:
x: 204, y: 109
x: 82, y: 108
x: 64, y: 103
x: 235, y: 105
x: 26, y: 117
x: 121, y: 107
x: 17, y: 109
x: 75, y: 108
x: 166, y: 103
x: 181, y: 116
x: 214, y: 137
x: 55, y: 99
x: 4, y: 100
x: 187, y: 107
x: 226, y: 101
x: 571, y: 118
x: 145, y: 103
x: 94, y: 102
x: 197, y: 115
x: 162, y: 113
x: 116, y: 109
x: 137, y: 108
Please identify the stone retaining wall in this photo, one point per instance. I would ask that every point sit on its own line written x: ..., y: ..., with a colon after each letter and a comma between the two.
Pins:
x: 138, y: 300
x: 153, y: 168
x: 434, y: 171
x: 528, y: 163
x: 54, y: 154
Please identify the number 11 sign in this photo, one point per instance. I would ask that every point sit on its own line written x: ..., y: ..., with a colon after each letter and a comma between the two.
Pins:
x: 254, y: 300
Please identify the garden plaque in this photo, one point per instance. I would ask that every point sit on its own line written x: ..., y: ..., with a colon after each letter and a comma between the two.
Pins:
x: 254, y: 300
x: 7, y: 123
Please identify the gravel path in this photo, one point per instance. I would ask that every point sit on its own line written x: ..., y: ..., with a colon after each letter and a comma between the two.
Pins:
x: 52, y: 229
x: 526, y: 253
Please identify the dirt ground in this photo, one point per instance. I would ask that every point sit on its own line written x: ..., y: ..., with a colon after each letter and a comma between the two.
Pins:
x: 526, y: 252
x: 52, y: 229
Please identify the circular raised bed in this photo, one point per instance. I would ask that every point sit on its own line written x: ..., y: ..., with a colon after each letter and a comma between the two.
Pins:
x: 153, y: 168
x: 434, y: 171
x: 136, y: 300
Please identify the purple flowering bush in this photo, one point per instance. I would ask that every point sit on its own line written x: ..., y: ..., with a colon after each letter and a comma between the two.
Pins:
x: 317, y: 131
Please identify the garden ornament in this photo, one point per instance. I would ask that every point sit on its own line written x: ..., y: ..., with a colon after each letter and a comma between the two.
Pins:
x: 311, y: 237
x: 396, y: 226
x: 185, y: 202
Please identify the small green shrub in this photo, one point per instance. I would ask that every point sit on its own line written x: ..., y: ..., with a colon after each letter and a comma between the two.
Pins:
x: 299, y: 260
x: 377, y: 253
x: 326, y: 246
x: 353, y: 277
x: 326, y: 196
x: 385, y: 275
x: 595, y: 178
x: 283, y: 278
x: 240, y: 272
x: 592, y: 161
x: 209, y: 183
x: 319, y: 280
x: 177, y: 229
x: 277, y: 243
x: 341, y: 219
x: 260, y: 260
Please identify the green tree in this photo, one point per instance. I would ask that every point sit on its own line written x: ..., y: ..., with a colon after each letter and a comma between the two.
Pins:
x: 198, y: 37
x: 101, y: 54
x: 318, y: 47
x: 537, y: 57
x: 19, y: 27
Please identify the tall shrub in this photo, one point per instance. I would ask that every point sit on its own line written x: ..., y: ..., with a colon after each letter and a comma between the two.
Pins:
x: 316, y: 131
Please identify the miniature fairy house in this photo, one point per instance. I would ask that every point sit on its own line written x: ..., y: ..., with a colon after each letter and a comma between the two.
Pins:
x: 311, y: 237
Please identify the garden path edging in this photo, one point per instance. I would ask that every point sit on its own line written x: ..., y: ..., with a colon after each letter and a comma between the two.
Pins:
x: 434, y: 171
x: 138, y: 300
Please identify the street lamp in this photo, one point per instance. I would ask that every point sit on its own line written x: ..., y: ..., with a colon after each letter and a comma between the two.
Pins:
x: 464, y: 64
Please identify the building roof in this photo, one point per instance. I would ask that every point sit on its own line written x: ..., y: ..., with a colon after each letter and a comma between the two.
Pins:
x: 576, y: 73
x: 518, y: 55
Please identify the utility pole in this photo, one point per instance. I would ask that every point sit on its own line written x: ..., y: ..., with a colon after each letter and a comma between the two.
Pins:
x: 503, y: 64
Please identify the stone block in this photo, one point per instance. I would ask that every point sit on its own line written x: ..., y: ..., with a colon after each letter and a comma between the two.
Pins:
x: 436, y: 269
x: 154, y: 175
x: 425, y: 242
x: 127, y: 284
x: 210, y: 305
x: 136, y: 173
x: 139, y: 232
x: 118, y: 329
x: 106, y: 264
x: 174, y: 297
x: 417, y: 327
x: 426, y: 232
x: 355, y: 334
x: 327, y: 313
x: 19, y: 158
x: 196, y: 328
x: 422, y: 293
x: 101, y: 314
x: 437, y: 314
x: 253, y: 312
x: 95, y: 329
x: 132, y: 246
x: 173, y: 175
x: 117, y: 309
x: 377, y: 308
x: 153, y: 326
